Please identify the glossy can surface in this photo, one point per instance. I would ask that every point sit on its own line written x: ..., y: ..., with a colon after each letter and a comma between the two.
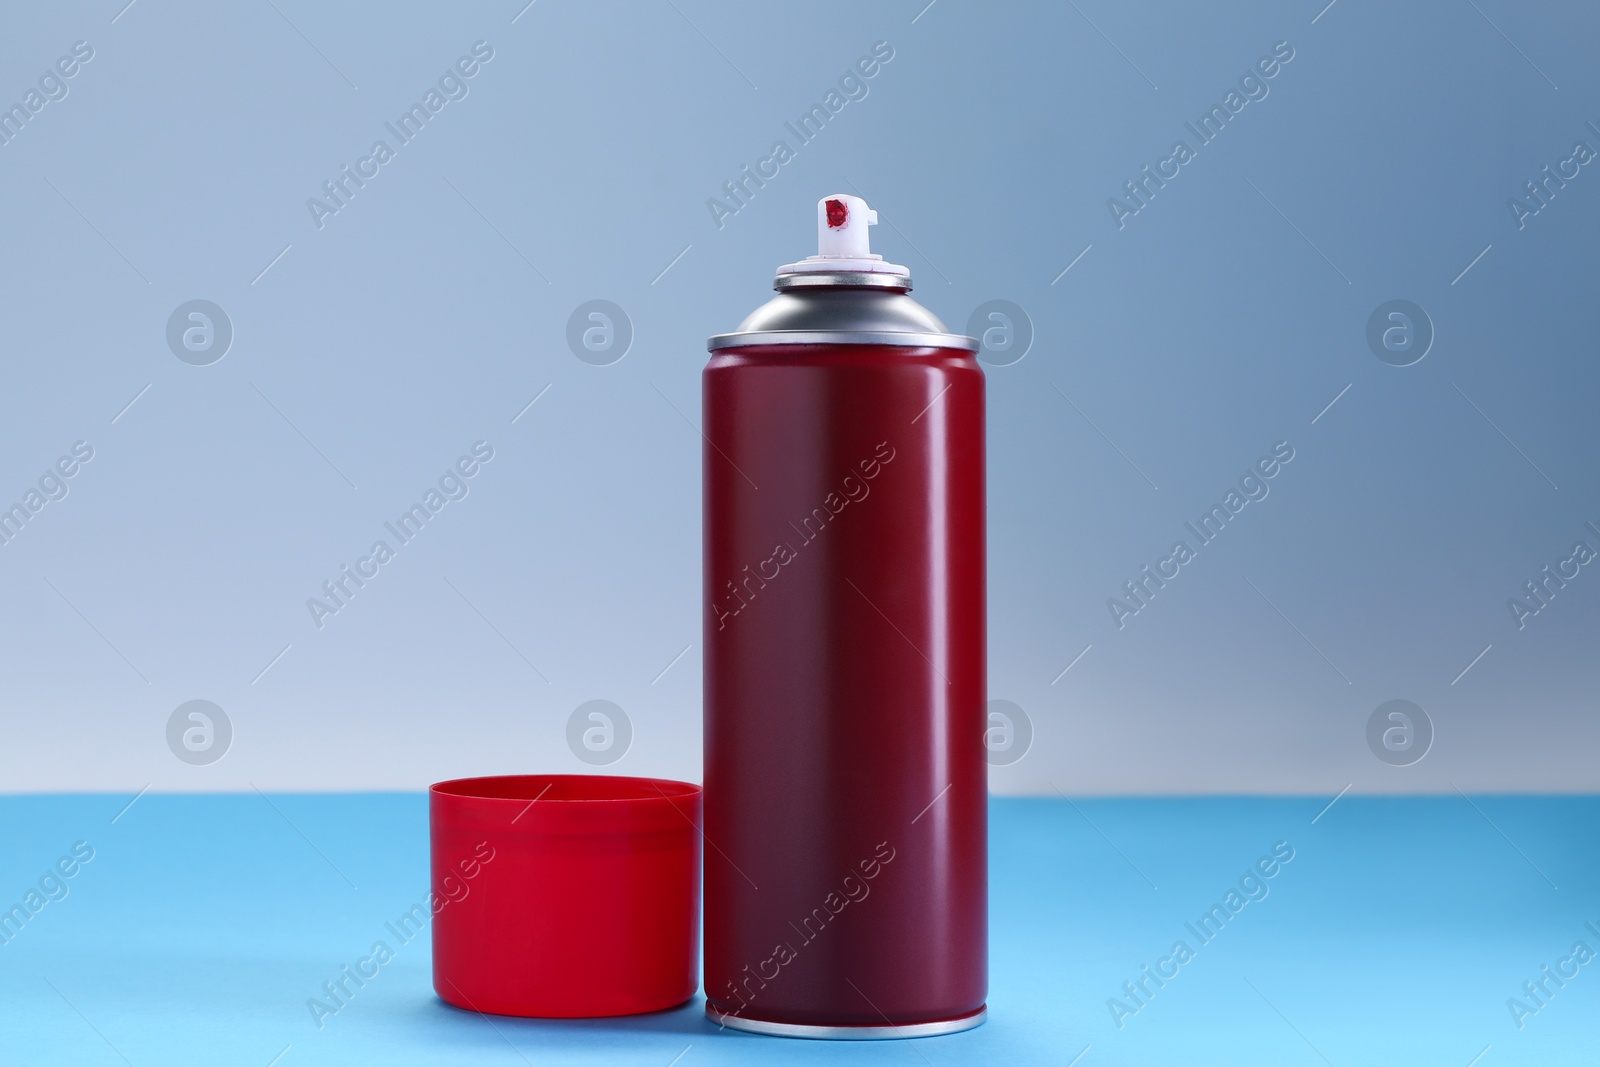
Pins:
x: 845, y: 779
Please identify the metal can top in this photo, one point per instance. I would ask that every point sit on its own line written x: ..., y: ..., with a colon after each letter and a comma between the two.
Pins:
x: 843, y: 295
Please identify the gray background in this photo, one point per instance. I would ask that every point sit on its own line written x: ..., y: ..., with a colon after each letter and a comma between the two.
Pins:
x: 370, y: 353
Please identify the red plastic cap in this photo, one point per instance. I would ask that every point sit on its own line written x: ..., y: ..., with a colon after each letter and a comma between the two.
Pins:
x: 565, y: 895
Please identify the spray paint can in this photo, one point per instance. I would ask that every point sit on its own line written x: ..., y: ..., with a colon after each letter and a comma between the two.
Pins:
x: 845, y: 778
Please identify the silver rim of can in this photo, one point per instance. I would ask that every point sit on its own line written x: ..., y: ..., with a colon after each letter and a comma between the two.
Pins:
x: 850, y: 279
x: 848, y: 1033
x: 843, y: 337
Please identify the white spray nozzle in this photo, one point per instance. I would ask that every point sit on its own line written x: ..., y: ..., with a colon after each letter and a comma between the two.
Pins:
x: 842, y: 227
x: 843, y: 241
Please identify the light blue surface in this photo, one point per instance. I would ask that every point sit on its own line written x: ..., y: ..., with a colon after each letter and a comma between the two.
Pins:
x: 1395, y: 935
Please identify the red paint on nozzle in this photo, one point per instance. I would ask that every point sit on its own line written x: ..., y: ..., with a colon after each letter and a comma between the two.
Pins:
x: 838, y: 213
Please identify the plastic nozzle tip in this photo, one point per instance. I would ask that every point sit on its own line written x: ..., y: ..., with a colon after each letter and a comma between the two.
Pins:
x: 842, y: 243
x: 842, y: 222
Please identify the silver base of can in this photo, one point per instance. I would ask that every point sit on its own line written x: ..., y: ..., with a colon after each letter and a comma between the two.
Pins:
x: 848, y: 1033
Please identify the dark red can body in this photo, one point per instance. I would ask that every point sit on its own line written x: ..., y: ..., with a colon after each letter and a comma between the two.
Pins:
x: 845, y: 778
